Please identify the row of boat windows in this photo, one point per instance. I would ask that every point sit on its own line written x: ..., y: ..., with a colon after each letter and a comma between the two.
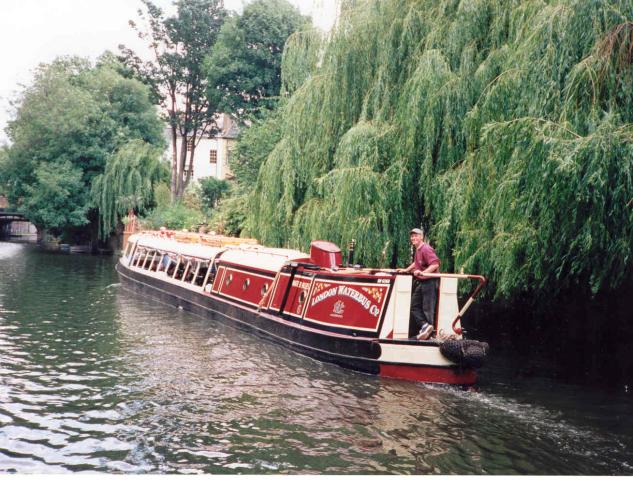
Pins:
x: 179, y: 267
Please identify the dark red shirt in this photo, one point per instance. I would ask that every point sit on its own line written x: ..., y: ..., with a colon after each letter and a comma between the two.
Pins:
x: 425, y: 256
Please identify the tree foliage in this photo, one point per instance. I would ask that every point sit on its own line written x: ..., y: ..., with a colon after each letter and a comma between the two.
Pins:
x: 175, y: 216
x: 211, y: 191
x: 57, y: 197
x: 254, y: 145
x: 503, y: 127
x: 180, y: 44
x: 127, y: 183
x: 244, y: 67
x: 4, y: 155
x: 68, y: 124
x: 229, y: 217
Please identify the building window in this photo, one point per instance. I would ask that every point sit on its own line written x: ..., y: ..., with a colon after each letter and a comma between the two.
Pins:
x: 190, y: 144
x: 213, y: 156
x: 188, y: 173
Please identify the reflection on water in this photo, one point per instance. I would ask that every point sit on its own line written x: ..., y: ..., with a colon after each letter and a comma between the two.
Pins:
x: 95, y: 378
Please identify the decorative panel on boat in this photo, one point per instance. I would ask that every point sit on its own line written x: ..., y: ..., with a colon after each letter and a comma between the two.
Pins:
x: 347, y: 304
x: 217, y: 281
x: 296, y: 302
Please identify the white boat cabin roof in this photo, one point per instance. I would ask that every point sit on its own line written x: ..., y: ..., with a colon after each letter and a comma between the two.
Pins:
x: 172, y: 246
x: 255, y: 256
x: 264, y: 258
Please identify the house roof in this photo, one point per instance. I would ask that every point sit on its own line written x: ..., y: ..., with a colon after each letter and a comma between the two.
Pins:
x: 232, y: 131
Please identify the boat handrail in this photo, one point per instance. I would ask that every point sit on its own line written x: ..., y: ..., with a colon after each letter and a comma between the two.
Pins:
x: 455, y: 275
x: 471, y: 297
x: 464, y: 276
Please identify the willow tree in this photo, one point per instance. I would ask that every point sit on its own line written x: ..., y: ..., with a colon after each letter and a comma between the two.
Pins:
x: 502, y: 126
x: 127, y: 183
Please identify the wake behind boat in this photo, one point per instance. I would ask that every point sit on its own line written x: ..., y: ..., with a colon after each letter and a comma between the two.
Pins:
x: 354, y: 317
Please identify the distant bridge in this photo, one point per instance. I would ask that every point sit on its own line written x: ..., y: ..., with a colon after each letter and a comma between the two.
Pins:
x: 14, y: 225
x: 8, y: 216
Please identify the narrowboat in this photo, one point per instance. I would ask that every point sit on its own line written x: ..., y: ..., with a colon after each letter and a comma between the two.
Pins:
x: 355, y: 317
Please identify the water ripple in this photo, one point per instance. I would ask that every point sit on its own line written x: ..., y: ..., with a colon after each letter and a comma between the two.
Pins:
x: 96, y: 379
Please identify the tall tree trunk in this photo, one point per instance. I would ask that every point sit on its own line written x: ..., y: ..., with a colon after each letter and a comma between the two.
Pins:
x: 181, y: 167
x: 181, y: 184
x: 174, y: 146
x: 174, y: 164
x: 189, y: 177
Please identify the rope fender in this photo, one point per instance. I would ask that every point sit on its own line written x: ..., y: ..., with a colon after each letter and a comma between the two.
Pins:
x: 465, y: 353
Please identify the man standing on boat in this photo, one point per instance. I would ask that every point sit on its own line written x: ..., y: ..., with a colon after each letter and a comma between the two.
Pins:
x: 424, y: 296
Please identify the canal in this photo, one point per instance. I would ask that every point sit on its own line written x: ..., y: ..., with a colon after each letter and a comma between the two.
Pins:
x: 96, y: 379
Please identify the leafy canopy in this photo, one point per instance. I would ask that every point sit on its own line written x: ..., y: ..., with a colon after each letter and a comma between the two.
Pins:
x: 211, y: 191
x: 69, y: 122
x: 254, y: 145
x: 503, y: 127
x: 244, y: 67
x: 57, y: 197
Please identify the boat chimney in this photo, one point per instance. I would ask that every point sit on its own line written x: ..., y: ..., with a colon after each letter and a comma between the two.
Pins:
x: 350, y: 251
x: 325, y: 254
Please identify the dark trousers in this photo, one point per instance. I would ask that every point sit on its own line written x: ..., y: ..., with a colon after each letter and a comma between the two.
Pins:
x: 423, y: 302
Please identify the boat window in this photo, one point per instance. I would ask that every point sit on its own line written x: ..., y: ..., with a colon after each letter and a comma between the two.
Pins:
x: 171, y: 267
x: 180, y: 268
x: 155, y: 261
x: 140, y: 258
x: 190, y: 269
x: 132, y: 252
x: 133, y: 256
x: 144, y: 258
x: 177, y: 267
x: 202, y: 273
x: 302, y: 297
x: 207, y: 283
x: 195, y: 266
x: 148, y: 259
x: 162, y: 262
x: 211, y: 268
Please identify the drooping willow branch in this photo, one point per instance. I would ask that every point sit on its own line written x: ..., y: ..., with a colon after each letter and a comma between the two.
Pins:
x: 503, y: 127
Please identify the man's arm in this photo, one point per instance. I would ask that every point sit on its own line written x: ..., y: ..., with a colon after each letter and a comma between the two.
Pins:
x: 409, y: 269
x: 430, y: 269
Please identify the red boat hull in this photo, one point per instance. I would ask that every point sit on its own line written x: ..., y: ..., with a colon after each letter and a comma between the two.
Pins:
x: 429, y: 374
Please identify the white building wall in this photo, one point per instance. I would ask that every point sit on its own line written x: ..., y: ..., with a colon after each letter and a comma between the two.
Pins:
x: 202, y: 166
x: 223, y: 158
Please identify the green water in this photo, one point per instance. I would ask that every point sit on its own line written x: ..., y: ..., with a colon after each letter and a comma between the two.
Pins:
x: 95, y: 378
